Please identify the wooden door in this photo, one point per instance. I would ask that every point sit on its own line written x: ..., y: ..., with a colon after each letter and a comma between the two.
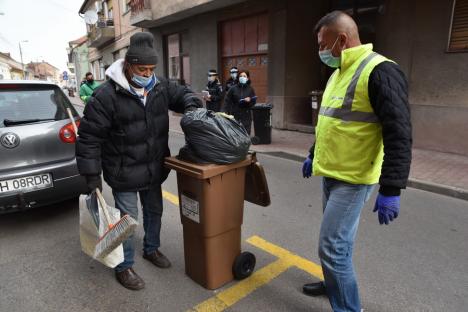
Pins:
x: 245, y: 45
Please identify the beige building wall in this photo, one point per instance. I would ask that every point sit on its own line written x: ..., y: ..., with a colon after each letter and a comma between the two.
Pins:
x: 415, y: 34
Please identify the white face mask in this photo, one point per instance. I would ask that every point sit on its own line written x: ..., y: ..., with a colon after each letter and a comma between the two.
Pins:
x: 234, y: 75
x: 243, y: 80
x: 211, y: 78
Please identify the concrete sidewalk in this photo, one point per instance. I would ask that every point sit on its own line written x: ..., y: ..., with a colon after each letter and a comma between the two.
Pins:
x: 437, y: 172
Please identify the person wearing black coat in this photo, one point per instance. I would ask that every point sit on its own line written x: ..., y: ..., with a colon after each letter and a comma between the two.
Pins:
x: 232, y: 79
x: 240, y: 99
x: 214, y: 92
x: 124, y: 135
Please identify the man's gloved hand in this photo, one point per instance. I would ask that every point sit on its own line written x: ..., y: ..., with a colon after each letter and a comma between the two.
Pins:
x: 388, y: 208
x: 307, y: 167
x: 93, y: 182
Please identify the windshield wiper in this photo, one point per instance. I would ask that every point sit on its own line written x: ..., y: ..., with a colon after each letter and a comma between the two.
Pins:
x: 9, y: 122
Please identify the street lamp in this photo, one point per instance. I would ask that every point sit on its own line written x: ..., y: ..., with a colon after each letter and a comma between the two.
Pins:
x: 21, y: 54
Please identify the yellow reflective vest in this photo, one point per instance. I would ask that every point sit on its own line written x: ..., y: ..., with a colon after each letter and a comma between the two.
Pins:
x: 349, y: 144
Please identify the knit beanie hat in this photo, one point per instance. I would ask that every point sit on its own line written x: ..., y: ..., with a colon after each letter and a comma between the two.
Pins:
x: 141, y: 50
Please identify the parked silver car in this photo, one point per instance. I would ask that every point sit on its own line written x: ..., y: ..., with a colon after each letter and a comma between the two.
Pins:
x: 37, y: 146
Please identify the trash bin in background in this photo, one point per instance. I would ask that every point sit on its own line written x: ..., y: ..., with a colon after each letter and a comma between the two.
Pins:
x: 315, y: 101
x: 211, y: 201
x: 262, y: 123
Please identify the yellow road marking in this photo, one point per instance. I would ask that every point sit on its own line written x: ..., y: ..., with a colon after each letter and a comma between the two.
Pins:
x: 235, y: 293
x: 301, y: 263
x: 171, y: 197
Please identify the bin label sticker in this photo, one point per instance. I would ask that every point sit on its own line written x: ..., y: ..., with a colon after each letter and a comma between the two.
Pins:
x: 190, y: 208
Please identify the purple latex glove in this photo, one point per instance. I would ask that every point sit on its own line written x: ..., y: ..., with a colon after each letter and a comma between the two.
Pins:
x: 307, y: 167
x: 388, y: 208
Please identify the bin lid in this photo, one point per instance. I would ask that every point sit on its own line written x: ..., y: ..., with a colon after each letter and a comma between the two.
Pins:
x: 262, y: 106
x: 203, y: 171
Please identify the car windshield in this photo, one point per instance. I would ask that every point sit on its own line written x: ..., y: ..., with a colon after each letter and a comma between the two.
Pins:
x: 25, y: 102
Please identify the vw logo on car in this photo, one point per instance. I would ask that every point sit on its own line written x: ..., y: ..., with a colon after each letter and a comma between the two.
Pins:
x: 10, y: 140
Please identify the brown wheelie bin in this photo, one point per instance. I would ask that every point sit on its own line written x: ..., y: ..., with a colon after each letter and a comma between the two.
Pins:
x: 211, y: 200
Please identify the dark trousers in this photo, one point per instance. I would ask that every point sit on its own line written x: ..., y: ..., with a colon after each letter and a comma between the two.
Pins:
x: 245, y: 118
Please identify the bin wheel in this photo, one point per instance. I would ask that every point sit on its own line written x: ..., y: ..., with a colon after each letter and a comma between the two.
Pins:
x: 243, y: 265
x: 255, y: 140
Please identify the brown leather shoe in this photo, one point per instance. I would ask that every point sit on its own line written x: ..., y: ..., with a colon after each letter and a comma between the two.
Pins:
x: 130, y: 280
x: 158, y: 259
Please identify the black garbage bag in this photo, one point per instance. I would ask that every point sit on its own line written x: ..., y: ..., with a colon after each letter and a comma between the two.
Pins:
x: 214, y: 138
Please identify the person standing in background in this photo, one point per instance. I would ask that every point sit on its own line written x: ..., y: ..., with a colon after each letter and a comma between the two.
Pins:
x: 87, y: 88
x: 232, y: 79
x: 240, y: 99
x: 214, y: 92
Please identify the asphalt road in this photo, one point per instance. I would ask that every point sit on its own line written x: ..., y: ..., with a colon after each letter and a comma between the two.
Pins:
x: 418, y: 263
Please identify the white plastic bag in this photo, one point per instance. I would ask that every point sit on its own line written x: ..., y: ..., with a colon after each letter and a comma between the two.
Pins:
x: 89, y: 233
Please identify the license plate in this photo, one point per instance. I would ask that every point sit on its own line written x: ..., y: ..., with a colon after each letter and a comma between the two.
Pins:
x: 26, y: 184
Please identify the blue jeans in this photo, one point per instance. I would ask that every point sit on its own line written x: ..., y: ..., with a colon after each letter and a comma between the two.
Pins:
x: 152, y: 206
x: 342, y: 205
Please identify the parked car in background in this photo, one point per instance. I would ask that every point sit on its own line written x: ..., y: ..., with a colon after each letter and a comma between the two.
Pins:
x: 37, y: 146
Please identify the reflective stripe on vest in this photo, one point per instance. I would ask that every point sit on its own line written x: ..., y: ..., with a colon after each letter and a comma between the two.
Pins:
x: 345, y: 112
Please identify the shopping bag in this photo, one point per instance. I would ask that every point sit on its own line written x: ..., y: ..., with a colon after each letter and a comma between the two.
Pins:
x: 93, y: 226
x: 256, y: 185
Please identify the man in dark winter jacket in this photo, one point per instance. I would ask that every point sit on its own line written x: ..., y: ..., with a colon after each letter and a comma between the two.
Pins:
x: 124, y: 135
x: 363, y: 137
x: 214, y: 92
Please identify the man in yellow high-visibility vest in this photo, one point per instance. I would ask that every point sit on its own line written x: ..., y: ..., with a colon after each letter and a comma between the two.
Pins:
x: 363, y: 137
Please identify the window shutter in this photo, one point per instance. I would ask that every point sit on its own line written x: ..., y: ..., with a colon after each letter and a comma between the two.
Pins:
x: 459, y: 31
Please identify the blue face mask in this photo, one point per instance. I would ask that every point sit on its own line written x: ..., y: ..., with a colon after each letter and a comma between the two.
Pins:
x: 243, y: 80
x: 141, y: 80
x: 328, y: 59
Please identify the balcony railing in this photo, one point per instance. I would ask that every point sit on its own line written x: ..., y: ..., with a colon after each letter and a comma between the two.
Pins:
x: 102, y: 22
x: 141, y: 14
x: 101, y: 33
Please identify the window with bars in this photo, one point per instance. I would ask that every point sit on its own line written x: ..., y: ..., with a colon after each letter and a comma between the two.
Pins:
x: 102, y: 70
x: 458, y: 41
x: 178, y: 58
x: 95, y: 67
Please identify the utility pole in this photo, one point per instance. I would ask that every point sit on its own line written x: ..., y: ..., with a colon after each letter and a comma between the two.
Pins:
x: 21, y: 54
